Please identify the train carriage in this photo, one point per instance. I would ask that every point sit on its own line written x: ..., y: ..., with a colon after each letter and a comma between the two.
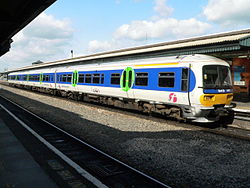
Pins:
x: 195, y: 87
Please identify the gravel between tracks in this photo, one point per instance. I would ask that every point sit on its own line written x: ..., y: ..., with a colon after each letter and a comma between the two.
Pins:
x: 177, y: 154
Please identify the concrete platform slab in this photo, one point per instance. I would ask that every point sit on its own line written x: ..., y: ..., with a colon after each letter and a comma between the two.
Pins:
x: 17, y: 167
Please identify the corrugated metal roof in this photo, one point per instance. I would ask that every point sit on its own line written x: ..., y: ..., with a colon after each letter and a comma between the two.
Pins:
x: 242, y: 37
x: 245, y: 41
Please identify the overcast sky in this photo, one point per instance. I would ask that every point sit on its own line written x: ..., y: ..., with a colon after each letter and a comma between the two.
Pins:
x: 92, y: 26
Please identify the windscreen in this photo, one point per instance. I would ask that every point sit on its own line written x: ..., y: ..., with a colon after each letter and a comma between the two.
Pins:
x: 216, y: 77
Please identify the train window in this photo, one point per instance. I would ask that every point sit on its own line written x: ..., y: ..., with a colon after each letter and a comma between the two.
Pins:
x: 216, y: 76
x: 184, y: 79
x: 81, y: 78
x: 124, y: 79
x: 34, y: 78
x: 130, y: 77
x: 115, y: 79
x: 25, y: 77
x: 166, y: 79
x: 141, y: 79
x: 66, y: 77
x: 96, y: 78
x: 69, y: 76
x: 46, y: 78
x: 88, y: 78
x: 17, y: 77
x: 102, y: 78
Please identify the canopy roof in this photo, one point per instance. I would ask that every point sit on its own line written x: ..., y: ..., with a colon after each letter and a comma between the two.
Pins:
x: 15, y: 15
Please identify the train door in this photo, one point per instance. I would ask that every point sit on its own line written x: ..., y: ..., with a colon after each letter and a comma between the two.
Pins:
x: 41, y: 78
x: 55, y: 79
x: 74, y: 80
x: 185, y: 85
x: 127, y: 81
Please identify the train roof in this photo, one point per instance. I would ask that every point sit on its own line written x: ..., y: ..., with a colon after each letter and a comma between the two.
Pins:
x: 195, y: 58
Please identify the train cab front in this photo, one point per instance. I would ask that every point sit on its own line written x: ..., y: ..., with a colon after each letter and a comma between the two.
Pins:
x: 217, y: 95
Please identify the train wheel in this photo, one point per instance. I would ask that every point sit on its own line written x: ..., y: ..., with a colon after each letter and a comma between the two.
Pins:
x: 226, y: 120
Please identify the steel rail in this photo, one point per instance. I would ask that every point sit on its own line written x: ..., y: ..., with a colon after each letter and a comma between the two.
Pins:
x: 242, y: 114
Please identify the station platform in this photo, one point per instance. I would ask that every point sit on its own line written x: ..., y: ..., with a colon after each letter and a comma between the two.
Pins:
x: 17, y: 167
x: 243, y: 106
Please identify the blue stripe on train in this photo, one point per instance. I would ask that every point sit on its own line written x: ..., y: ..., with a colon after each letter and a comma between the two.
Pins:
x: 215, y: 91
x: 152, y: 78
x: 153, y: 74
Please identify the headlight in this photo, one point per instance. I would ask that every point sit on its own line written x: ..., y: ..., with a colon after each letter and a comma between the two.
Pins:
x: 209, y: 97
x: 230, y: 97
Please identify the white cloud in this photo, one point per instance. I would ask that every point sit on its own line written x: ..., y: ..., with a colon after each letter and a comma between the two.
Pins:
x: 96, y: 46
x: 160, y: 27
x: 162, y: 9
x: 44, y: 39
x: 46, y: 26
x: 228, y: 12
x: 167, y: 29
x: 100, y: 46
x: 140, y: 32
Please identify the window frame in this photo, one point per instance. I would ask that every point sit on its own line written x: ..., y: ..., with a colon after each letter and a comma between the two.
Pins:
x: 138, y: 76
x: 184, y: 80
x: 166, y: 77
x: 88, y: 78
x: 81, y: 75
x: 96, y: 78
x: 115, y: 76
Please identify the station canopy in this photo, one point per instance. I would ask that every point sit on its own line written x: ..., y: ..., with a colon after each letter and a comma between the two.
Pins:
x: 15, y: 15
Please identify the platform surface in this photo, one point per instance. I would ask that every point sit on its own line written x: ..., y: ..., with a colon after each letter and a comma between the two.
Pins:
x: 17, y: 167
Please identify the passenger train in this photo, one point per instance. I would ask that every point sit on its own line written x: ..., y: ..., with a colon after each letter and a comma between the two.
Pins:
x: 196, y: 88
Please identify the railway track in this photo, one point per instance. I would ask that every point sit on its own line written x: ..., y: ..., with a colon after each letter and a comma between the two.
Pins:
x: 96, y: 166
x: 242, y: 114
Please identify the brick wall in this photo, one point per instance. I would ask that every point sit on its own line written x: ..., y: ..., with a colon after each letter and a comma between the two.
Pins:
x: 244, y: 76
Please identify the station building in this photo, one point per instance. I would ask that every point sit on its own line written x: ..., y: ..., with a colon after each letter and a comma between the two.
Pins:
x: 233, y: 47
